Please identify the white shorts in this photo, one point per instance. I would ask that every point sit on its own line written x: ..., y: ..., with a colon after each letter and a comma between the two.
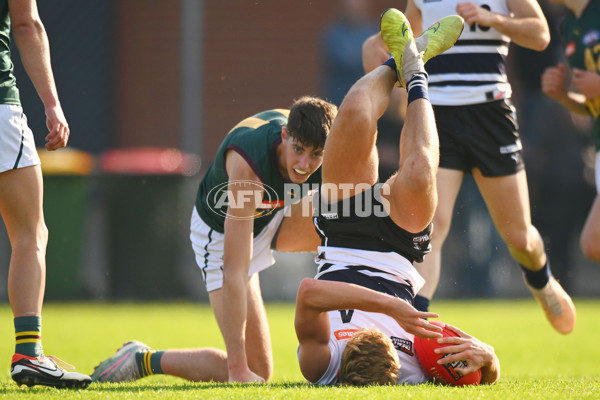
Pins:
x: 598, y: 172
x: 17, y: 147
x: 208, y: 246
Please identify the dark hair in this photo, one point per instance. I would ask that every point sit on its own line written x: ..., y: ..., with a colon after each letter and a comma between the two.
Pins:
x: 310, y: 120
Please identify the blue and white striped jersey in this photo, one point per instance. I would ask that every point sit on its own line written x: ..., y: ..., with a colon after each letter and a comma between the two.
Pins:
x: 474, y: 70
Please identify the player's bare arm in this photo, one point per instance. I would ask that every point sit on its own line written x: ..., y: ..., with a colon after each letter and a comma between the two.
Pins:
x: 526, y: 27
x: 413, y: 14
x: 587, y: 83
x: 553, y: 82
x: 315, y: 298
x: 239, y: 225
x: 32, y: 42
x: 374, y: 52
x: 478, y: 355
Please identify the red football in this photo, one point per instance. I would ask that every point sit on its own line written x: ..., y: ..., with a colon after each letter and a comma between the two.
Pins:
x: 442, y: 373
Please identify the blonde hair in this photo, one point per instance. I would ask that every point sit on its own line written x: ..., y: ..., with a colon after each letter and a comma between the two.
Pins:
x: 369, y: 359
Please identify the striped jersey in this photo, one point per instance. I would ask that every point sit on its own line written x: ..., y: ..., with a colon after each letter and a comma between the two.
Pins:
x: 345, y: 323
x: 581, y: 40
x: 256, y: 139
x: 473, y: 71
x: 362, y: 245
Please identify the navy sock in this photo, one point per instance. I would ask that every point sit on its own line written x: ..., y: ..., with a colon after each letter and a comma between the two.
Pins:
x: 417, y: 87
x: 391, y: 62
x: 537, y: 279
x: 421, y: 303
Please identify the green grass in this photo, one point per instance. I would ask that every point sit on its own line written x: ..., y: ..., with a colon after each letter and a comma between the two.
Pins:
x: 537, y: 363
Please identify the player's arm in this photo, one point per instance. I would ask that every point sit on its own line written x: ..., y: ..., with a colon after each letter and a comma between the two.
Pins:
x: 478, y: 355
x: 239, y: 227
x: 374, y: 52
x: 554, y: 85
x: 32, y: 42
x: 526, y: 27
x: 315, y: 298
x: 587, y: 83
x: 413, y: 14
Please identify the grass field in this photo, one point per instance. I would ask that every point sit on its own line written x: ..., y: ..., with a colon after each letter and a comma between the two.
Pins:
x: 537, y: 363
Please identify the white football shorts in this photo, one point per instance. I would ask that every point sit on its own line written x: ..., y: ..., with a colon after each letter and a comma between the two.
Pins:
x: 208, y: 246
x: 17, y: 147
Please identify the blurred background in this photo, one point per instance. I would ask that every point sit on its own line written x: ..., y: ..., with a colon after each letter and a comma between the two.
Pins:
x: 151, y: 87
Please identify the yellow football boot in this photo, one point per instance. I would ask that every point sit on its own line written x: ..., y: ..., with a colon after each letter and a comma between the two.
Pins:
x: 440, y: 36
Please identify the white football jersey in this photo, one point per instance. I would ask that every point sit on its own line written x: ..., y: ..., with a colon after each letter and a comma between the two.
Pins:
x: 474, y: 70
x: 344, y: 323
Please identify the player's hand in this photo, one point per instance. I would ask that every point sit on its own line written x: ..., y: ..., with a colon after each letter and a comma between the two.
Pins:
x: 472, y: 13
x: 246, y: 376
x: 58, y: 128
x: 413, y: 321
x: 554, y: 82
x: 466, y: 348
x: 587, y: 83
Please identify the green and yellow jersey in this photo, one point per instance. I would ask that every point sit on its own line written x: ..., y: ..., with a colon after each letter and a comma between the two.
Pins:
x: 256, y: 139
x: 9, y: 94
x: 581, y: 38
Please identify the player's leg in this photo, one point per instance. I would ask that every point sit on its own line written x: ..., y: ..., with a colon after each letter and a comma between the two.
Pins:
x: 413, y: 197
x: 135, y: 360
x: 350, y: 155
x: 448, y: 186
x: 413, y: 189
x: 21, y: 196
x: 590, y: 236
x: 507, y: 199
x: 209, y: 364
x: 21, y: 208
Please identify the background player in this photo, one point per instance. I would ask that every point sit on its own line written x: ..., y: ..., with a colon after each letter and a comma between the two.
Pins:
x: 581, y: 38
x: 237, y: 218
x: 366, y: 276
x: 21, y: 191
x: 478, y: 134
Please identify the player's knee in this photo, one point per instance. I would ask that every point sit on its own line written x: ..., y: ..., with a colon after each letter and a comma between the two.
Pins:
x: 354, y: 108
x: 42, y: 236
x: 590, y: 247
x: 30, y: 238
x: 420, y: 171
x: 522, y: 241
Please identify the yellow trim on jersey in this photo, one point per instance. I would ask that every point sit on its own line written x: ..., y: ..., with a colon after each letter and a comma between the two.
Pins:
x: 249, y: 123
x: 254, y: 123
x: 593, y: 106
x: 284, y: 111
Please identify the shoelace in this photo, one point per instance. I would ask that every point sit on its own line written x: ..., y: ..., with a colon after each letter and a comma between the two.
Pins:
x: 61, y: 363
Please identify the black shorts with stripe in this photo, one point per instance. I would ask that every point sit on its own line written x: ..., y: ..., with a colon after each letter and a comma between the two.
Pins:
x: 353, y: 274
x: 482, y: 136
